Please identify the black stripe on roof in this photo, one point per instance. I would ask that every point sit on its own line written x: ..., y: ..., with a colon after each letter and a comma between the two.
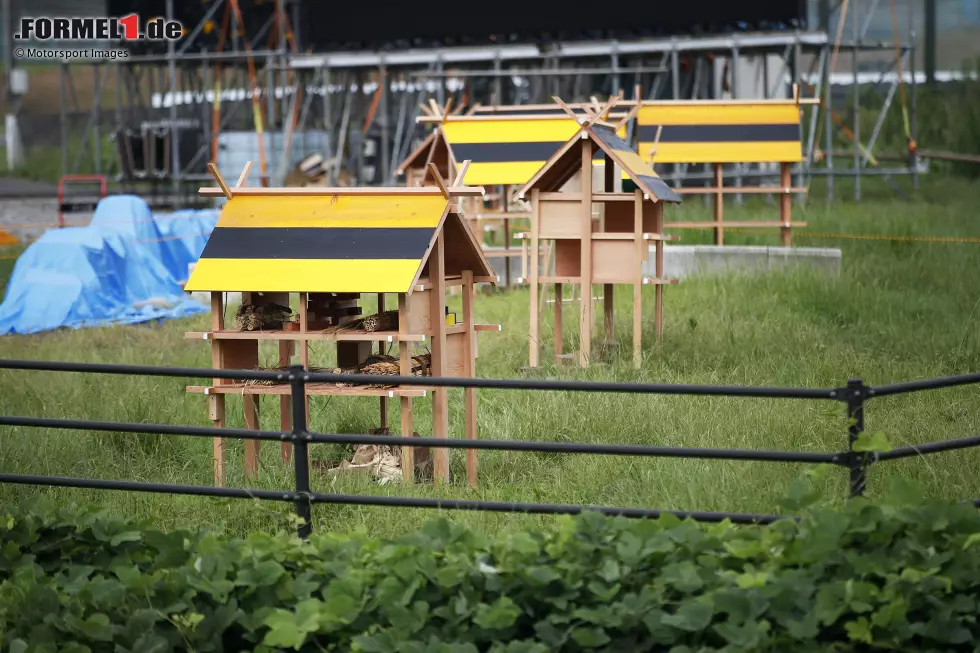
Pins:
x: 505, y: 152
x: 721, y: 133
x: 660, y: 188
x: 611, y: 139
x: 318, y: 243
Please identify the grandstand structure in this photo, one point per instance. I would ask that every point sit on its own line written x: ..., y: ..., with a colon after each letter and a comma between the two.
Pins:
x: 278, y: 80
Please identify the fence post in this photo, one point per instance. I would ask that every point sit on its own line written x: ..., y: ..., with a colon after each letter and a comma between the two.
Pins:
x: 856, y: 394
x: 301, y: 457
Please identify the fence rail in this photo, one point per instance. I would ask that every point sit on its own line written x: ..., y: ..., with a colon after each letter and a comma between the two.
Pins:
x: 854, y: 395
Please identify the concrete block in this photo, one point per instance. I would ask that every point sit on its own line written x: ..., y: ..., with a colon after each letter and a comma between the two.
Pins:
x: 687, y: 260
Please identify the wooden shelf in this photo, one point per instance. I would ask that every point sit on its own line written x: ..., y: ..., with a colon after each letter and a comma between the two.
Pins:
x: 647, y: 281
x: 622, y: 236
x: 343, y: 336
x: 311, y: 389
x: 738, y: 224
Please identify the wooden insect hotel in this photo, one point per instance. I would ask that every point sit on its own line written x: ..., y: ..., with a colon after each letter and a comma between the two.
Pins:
x: 609, y: 250
x: 328, y: 249
x: 720, y: 133
x: 506, y: 146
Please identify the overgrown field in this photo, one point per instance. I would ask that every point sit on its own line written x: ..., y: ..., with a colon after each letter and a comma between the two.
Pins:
x: 900, y: 310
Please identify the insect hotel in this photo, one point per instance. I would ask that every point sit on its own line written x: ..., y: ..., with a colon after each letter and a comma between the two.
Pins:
x: 506, y: 146
x: 586, y: 251
x: 328, y: 248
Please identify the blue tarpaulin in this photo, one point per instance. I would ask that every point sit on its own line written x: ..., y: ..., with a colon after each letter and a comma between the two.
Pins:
x: 124, y: 268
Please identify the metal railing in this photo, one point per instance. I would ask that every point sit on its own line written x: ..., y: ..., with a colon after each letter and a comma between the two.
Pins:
x: 854, y: 396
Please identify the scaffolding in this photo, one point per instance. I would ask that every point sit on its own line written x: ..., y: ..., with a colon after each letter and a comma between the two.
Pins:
x: 359, y: 109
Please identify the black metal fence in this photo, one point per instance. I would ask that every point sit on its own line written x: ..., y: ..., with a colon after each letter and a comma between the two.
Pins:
x: 854, y: 395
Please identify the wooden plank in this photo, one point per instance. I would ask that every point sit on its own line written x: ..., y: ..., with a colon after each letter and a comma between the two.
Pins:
x: 785, y: 204
x: 733, y: 190
x: 252, y: 447
x: 469, y: 394
x: 405, y: 369
x: 737, y: 224
x: 222, y: 184
x: 345, y: 336
x: 534, y: 264
x: 632, y: 236
x: 585, y: 227
x: 642, y: 253
x: 349, y: 191
x: 559, y: 328
x: 613, y: 261
x: 318, y: 389
x: 216, y: 405
x: 659, y: 318
x: 719, y: 205
x: 286, y: 350
x: 440, y: 403
x: 242, y: 178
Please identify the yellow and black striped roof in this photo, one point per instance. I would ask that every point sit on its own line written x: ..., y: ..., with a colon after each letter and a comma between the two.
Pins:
x: 366, y: 243
x: 721, y: 132
x: 507, y: 150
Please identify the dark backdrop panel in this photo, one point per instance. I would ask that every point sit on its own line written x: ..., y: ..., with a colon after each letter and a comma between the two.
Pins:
x: 324, y: 24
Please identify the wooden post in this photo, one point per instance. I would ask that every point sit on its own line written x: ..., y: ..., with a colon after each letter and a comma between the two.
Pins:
x: 405, y: 369
x: 785, y: 204
x: 469, y: 394
x: 382, y: 352
x: 252, y: 447
x: 585, y: 305
x: 607, y: 307
x: 524, y: 254
x: 304, y: 352
x: 719, y: 205
x: 216, y: 402
x: 286, y: 350
x: 658, y: 212
x: 559, y: 330
x: 505, y: 207
x: 440, y: 403
x: 535, y: 263
x: 641, y: 256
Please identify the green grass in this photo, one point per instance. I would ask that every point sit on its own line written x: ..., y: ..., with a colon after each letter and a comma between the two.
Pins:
x: 900, y: 310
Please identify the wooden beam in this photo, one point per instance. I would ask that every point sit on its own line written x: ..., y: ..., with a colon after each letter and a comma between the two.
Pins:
x: 242, y: 178
x: 315, y: 191
x: 434, y: 171
x: 461, y: 173
x: 222, y: 185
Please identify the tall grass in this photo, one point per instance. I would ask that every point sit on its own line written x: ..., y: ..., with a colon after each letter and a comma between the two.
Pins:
x: 899, y: 310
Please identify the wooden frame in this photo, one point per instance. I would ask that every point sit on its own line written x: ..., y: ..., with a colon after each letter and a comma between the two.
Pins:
x: 610, y: 251
x: 421, y: 317
x: 718, y: 190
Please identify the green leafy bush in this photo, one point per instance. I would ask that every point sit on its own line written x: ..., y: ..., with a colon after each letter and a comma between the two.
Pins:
x: 866, y: 576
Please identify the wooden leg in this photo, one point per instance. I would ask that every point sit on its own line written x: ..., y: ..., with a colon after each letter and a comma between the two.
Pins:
x: 534, y: 336
x: 440, y: 399
x: 642, y: 253
x: 785, y: 205
x: 286, y: 349
x: 216, y: 413
x: 719, y: 206
x: 251, y: 446
x: 607, y: 307
x: 469, y: 394
x: 559, y: 329
x: 408, y: 430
